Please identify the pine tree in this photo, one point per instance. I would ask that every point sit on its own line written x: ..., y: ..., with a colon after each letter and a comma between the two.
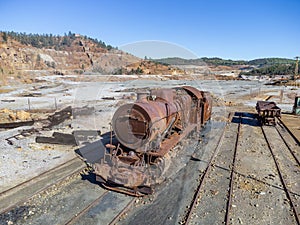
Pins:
x: 4, y: 37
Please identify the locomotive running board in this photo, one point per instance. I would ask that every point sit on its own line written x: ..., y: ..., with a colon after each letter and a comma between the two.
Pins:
x: 173, y: 140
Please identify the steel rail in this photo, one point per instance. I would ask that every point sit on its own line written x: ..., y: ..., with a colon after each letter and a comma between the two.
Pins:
x: 281, y: 178
x: 77, y: 216
x: 291, y: 133
x: 126, y: 209
x: 188, y: 216
x: 83, y: 211
x: 229, y: 200
x: 287, y: 145
x: 38, y: 177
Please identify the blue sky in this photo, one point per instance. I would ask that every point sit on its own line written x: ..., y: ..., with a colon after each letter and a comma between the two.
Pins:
x: 228, y: 29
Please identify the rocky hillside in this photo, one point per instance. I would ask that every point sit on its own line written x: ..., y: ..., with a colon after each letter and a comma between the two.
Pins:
x: 26, y: 54
x: 215, y: 61
x: 64, y: 55
x: 228, y: 67
x: 149, y: 67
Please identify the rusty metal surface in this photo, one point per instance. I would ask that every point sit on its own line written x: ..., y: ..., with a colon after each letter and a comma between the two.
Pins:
x: 164, y: 94
x: 59, y: 117
x: 267, y: 112
x: 145, y: 132
x: 172, y: 141
x: 57, y: 138
x: 207, y: 99
x: 194, y: 91
x: 265, y: 105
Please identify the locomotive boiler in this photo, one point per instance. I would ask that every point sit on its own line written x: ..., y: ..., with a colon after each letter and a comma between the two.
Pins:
x: 143, y: 134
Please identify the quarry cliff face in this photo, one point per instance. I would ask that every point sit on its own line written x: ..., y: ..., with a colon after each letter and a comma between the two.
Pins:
x: 79, y: 57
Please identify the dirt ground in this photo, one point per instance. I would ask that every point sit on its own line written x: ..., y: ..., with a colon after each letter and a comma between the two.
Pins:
x: 253, y: 203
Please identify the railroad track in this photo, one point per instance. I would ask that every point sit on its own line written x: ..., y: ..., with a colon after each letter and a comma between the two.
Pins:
x: 228, y: 206
x: 219, y: 169
x: 97, y: 202
x: 283, y: 177
x: 84, y: 210
x: 288, y: 130
x: 82, y: 216
x: 196, y: 196
x: 284, y: 136
x: 123, y: 212
x: 20, y: 193
x: 76, y: 201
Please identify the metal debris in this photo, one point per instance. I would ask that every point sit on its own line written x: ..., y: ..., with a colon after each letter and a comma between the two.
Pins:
x: 57, y: 138
x: 16, y: 124
x: 59, y: 117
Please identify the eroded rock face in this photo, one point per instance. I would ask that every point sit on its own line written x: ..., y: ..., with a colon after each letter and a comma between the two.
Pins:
x: 83, y: 55
x: 12, y: 116
x: 7, y: 115
x: 22, y: 115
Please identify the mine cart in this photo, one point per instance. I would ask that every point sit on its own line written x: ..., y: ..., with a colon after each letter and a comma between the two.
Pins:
x: 267, y: 112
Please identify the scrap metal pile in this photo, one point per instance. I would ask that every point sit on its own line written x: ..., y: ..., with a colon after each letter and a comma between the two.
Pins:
x: 77, y: 137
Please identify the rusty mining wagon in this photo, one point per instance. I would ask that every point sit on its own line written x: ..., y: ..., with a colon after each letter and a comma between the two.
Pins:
x: 145, y: 131
x: 267, y: 112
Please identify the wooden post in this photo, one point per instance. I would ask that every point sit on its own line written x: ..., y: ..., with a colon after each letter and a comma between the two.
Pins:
x: 281, y: 95
x: 55, y: 103
x: 29, y: 108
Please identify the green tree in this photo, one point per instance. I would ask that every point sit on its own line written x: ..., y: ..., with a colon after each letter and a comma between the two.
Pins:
x: 4, y: 37
x: 66, y: 41
x: 38, y: 61
x: 109, y: 47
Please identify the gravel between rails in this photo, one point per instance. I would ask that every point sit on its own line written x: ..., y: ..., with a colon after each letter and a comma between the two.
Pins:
x: 27, y: 189
x: 258, y: 195
x: 168, y: 204
x: 212, y: 203
x: 287, y: 168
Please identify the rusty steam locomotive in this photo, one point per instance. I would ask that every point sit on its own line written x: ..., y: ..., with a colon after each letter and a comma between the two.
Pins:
x: 145, y: 131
